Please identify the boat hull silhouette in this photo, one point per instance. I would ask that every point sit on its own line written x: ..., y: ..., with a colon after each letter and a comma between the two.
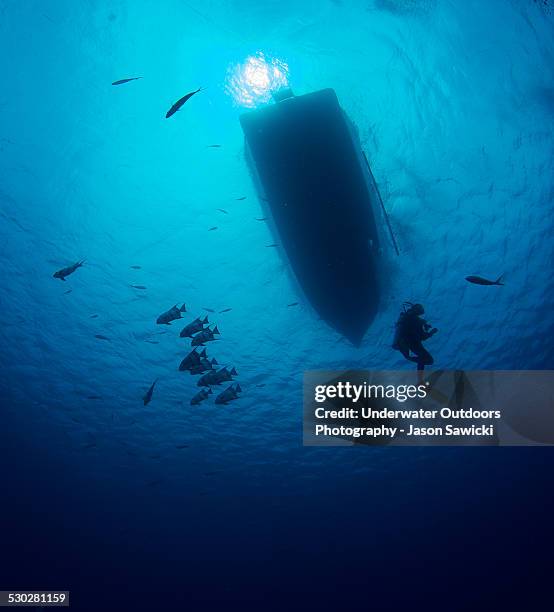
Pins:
x: 307, y: 163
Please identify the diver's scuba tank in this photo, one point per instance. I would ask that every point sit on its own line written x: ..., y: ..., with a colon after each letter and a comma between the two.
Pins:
x: 399, y: 326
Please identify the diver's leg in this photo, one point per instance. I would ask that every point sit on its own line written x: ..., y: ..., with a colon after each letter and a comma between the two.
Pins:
x: 406, y: 353
x: 423, y: 356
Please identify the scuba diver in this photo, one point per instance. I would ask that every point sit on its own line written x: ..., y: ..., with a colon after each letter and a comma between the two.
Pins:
x: 411, y: 331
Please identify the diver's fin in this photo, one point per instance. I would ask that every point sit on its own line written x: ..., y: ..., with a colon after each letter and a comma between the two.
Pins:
x: 183, y: 308
x: 500, y: 280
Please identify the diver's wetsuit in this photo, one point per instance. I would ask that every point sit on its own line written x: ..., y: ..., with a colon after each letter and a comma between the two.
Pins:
x: 411, y: 332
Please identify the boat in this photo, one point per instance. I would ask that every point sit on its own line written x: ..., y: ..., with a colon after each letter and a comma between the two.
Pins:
x: 311, y: 177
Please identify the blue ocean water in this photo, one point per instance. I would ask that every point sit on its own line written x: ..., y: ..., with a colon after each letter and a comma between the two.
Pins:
x: 454, y: 103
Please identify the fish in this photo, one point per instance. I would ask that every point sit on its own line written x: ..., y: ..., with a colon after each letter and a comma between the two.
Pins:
x: 292, y: 304
x: 209, y: 309
x: 192, y: 359
x: 229, y: 394
x: 94, y: 397
x: 479, y: 280
x: 121, y: 81
x: 225, y: 310
x: 61, y: 274
x: 212, y: 228
x: 180, y: 103
x: 181, y: 446
x: 208, y: 379
x: 136, y: 267
x: 203, y: 366
x: 268, y: 246
x: 192, y: 328
x: 216, y: 377
x: 261, y: 218
x: 206, y: 335
x: 148, y: 395
x: 68, y: 291
x: 214, y: 146
x: 172, y: 314
x: 240, y: 199
x: 93, y: 316
x: 152, y: 341
x: 223, y: 211
x: 200, y: 397
x: 101, y: 337
x: 138, y: 286
x: 226, y: 375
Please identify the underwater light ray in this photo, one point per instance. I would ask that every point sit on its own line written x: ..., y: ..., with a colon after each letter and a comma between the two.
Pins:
x: 253, y: 81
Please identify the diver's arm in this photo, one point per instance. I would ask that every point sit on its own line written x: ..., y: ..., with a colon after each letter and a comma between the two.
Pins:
x: 428, y: 334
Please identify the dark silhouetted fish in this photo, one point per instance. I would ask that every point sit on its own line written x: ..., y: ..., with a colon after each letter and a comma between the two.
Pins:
x: 138, y: 286
x: 216, y: 377
x: 94, y: 397
x: 148, y: 396
x: 61, y: 274
x: 136, y: 267
x: 152, y: 341
x: 180, y: 103
x: 192, y: 328
x: 206, y: 335
x: 216, y: 146
x: 181, y: 446
x: 101, y: 337
x: 172, y: 314
x: 93, y: 316
x: 293, y: 304
x: 208, y: 379
x: 209, y: 309
x: 231, y: 393
x: 223, y: 211
x: 271, y: 245
x: 478, y: 280
x: 68, y: 291
x: 121, y: 81
x: 226, y: 375
x: 261, y: 218
x: 225, y: 310
x: 204, y: 366
x: 240, y: 199
x: 192, y: 359
x: 212, y: 228
x: 200, y: 397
